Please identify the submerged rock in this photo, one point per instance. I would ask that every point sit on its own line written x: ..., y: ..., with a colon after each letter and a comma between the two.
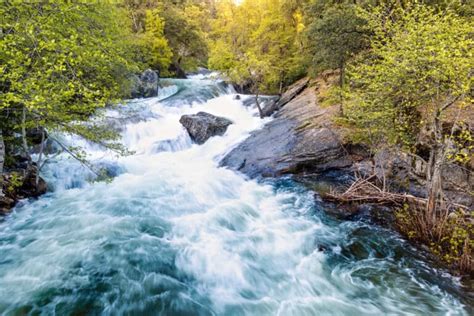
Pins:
x: 202, y: 126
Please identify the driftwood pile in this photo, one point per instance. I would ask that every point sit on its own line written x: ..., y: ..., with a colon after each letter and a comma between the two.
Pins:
x: 365, y: 190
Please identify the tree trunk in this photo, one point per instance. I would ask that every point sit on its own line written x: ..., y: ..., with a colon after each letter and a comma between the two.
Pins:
x: 433, y: 177
x: 23, y: 137
x: 258, y: 106
x: 435, y: 185
x: 40, y: 159
x: 341, y: 86
x: 2, y: 159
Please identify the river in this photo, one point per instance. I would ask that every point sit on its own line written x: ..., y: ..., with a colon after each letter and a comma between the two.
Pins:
x: 174, y: 234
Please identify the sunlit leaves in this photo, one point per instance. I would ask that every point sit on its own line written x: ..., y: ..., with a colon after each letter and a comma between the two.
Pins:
x: 62, y: 60
x: 257, y: 43
x: 418, y: 62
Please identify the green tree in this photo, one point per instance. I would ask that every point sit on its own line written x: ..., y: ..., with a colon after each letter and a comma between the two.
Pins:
x: 60, y: 62
x: 156, y: 44
x: 170, y: 35
x: 419, y: 68
x: 185, y: 36
x: 2, y: 160
x: 335, y: 34
x: 148, y: 44
x: 257, y: 44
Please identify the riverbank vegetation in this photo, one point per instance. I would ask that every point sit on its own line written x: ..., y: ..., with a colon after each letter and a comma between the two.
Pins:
x: 413, y: 90
x: 405, y: 77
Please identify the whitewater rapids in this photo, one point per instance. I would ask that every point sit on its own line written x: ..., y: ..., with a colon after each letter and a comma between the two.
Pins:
x: 174, y: 234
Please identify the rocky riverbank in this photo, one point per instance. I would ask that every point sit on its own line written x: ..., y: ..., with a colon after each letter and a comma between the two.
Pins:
x: 19, y: 177
x: 20, y: 183
x: 305, y: 141
x: 301, y: 139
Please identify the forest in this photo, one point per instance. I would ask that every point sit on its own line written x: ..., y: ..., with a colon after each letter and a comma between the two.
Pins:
x: 401, y: 77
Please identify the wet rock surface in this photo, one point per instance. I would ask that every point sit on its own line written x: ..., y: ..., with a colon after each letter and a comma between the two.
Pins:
x: 301, y: 139
x: 286, y: 97
x: 149, y: 81
x: 20, y: 184
x: 145, y: 85
x: 202, y: 126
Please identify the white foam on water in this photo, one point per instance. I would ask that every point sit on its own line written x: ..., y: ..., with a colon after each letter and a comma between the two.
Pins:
x: 173, y: 233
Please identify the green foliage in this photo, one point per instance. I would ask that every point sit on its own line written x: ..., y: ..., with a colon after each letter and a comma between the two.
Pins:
x: 335, y: 33
x: 410, y: 90
x: 417, y: 65
x: 257, y: 43
x: 451, y: 240
x: 170, y: 33
x: 14, y: 181
x: 148, y: 44
x: 184, y: 32
x: 62, y: 61
x: 462, y: 144
x: 155, y: 41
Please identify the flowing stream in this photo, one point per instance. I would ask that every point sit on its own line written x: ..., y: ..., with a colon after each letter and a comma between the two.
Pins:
x: 174, y: 234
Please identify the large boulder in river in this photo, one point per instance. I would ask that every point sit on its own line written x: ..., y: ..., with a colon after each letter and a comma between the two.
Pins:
x: 135, y: 86
x: 202, y: 126
x: 145, y: 85
x: 149, y: 83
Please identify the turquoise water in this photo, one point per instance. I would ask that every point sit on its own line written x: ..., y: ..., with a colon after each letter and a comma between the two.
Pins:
x: 173, y: 234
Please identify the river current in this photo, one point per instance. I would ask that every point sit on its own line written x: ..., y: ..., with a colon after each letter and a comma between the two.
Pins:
x: 174, y: 234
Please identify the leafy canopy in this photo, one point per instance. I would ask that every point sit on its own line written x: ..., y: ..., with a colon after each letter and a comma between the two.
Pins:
x: 419, y: 65
x: 257, y: 43
x: 61, y: 61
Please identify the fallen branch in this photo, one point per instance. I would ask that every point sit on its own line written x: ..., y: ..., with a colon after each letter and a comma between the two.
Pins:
x: 364, y: 191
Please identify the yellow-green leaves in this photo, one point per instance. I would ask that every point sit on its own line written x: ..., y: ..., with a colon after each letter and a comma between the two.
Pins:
x: 420, y: 59
x: 62, y: 60
x: 159, y: 51
x: 257, y: 42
